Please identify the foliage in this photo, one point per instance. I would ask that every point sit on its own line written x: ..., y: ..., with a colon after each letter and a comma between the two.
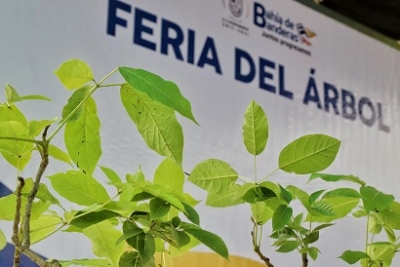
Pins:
x: 294, y: 230
x: 146, y: 216
x: 143, y: 216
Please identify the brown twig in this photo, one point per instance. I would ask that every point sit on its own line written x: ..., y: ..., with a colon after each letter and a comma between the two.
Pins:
x: 304, y: 259
x: 258, y: 251
x: 15, y: 236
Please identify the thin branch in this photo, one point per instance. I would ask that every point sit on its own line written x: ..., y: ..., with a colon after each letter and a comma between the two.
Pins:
x: 21, y: 139
x: 32, y: 194
x: 257, y: 250
x: 15, y: 236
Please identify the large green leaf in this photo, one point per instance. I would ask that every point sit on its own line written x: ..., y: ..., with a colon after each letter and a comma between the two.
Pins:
x: 155, y: 122
x: 342, y: 192
x: 86, y: 262
x: 255, y: 129
x: 82, y: 138
x: 170, y: 174
x: 288, y: 246
x: 341, y: 207
x: 158, y: 208
x: 225, y: 199
x: 281, y: 217
x: 381, y: 252
x: 16, y: 152
x: 213, y: 175
x: 374, y: 199
x: 43, y: 226
x: 336, y: 177
x: 309, y: 153
x: 73, y: 110
x: 352, y: 257
x: 3, y: 240
x: 158, y: 89
x: 74, y: 73
x: 258, y: 194
x: 79, y: 188
x: 104, y: 236
x: 209, y: 239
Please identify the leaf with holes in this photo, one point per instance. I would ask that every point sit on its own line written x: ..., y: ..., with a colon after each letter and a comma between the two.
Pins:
x: 82, y: 138
x: 255, y: 129
x: 158, y: 89
x: 155, y: 122
x: 74, y: 73
x: 309, y: 154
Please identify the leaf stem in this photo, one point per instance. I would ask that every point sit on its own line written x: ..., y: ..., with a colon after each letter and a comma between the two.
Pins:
x: 105, y: 77
x: 268, y: 175
x: 366, y: 236
x: 110, y: 85
x: 22, y: 139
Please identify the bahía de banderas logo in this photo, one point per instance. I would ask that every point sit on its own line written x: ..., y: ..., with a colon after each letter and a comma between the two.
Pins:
x: 305, y: 33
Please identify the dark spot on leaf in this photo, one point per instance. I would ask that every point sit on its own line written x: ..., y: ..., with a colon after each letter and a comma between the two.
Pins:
x: 84, y: 171
x: 140, y: 112
x: 83, y: 141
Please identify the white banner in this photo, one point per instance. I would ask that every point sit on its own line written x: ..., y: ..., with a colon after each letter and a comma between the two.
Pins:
x: 310, y: 73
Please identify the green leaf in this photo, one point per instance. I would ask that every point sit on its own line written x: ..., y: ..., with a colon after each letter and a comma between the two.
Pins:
x: 3, y: 240
x: 352, y: 257
x: 258, y: 194
x: 313, y: 252
x: 288, y: 246
x: 16, y: 152
x: 342, y: 192
x: 36, y: 127
x: 42, y: 194
x: 209, y: 239
x: 12, y: 113
x: 7, y: 204
x: 309, y: 153
x: 74, y: 73
x: 287, y: 196
x: 281, y: 217
x: 374, y: 226
x: 43, y: 226
x: 341, y: 207
x: 131, y: 230
x: 391, y: 216
x: 225, y: 199
x: 86, y: 262
x: 374, y: 199
x: 111, y: 175
x: 132, y: 259
x: 79, y: 188
x: 314, y: 196
x: 146, y: 246
x: 170, y: 174
x: 82, y: 138
x: 261, y: 212
x: 104, y: 236
x: 58, y: 154
x: 158, y: 89
x: 214, y: 176
x: 390, y: 233
x: 322, y: 226
x: 155, y: 122
x: 158, y: 208
x: 92, y: 218
x: 301, y: 195
x: 311, y: 238
x: 323, y: 208
x: 255, y: 129
x: 181, y: 238
x: 13, y: 96
x: 382, y: 252
x: 74, y: 108
x: 335, y: 178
